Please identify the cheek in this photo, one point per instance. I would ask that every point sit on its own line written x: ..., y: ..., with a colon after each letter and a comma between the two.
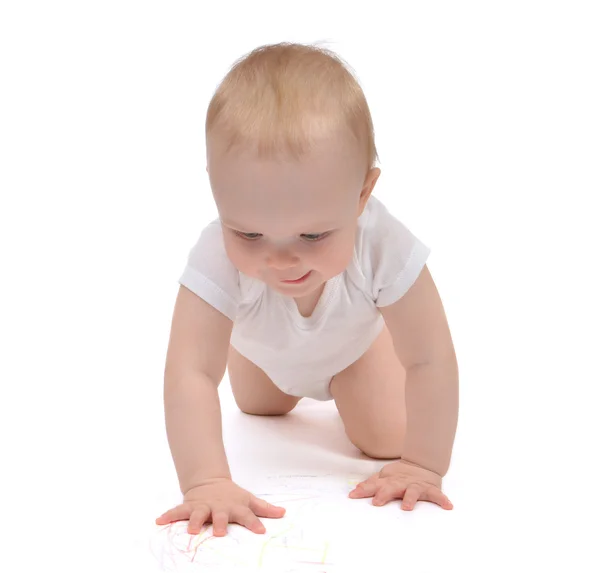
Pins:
x: 338, y: 254
x: 238, y: 255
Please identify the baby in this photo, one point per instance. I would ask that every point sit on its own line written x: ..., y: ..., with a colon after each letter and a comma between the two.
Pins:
x: 305, y: 286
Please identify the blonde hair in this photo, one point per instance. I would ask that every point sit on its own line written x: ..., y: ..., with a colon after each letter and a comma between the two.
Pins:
x: 287, y: 96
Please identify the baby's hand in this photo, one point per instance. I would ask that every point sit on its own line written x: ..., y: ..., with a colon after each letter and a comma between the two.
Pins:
x: 406, y: 481
x: 221, y: 501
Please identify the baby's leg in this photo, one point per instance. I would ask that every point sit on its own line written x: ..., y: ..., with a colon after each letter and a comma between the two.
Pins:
x: 370, y: 398
x: 253, y: 390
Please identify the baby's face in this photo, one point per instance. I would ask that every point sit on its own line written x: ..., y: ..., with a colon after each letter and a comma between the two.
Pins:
x: 282, y: 220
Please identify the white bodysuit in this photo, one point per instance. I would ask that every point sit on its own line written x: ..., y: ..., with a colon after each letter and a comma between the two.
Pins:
x: 302, y: 354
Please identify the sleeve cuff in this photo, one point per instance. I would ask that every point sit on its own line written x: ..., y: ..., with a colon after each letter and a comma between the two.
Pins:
x: 209, y: 291
x: 407, y: 276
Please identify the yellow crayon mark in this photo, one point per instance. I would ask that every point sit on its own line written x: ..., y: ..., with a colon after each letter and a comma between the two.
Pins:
x: 325, y: 552
x: 282, y: 532
x: 201, y: 537
x: 262, y: 551
x: 228, y: 556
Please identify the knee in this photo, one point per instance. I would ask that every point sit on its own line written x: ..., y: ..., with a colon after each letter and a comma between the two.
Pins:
x: 382, y: 452
x: 265, y: 409
x: 380, y: 447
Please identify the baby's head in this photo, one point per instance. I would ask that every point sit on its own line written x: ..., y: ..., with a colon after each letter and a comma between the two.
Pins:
x: 290, y: 154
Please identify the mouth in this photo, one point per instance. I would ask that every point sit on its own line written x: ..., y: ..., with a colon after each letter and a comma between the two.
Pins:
x: 298, y: 281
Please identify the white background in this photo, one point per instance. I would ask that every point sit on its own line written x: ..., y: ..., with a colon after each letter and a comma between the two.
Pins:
x: 487, y: 124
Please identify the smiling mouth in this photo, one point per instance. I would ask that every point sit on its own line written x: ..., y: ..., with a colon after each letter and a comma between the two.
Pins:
x: 302, y: 278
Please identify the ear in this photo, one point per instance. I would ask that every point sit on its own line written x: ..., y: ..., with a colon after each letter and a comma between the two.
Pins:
x: 368, y: 186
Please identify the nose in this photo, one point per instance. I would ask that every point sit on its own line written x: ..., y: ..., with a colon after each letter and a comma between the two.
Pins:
x: 281, y: 259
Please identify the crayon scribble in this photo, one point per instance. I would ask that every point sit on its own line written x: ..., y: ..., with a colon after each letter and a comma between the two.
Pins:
x: 297, y: 542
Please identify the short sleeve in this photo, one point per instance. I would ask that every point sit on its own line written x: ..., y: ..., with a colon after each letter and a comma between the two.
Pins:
x: 392, y: 257
x: 210, y: 274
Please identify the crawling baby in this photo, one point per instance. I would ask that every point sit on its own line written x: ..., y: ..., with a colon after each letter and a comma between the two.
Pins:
x: 305, y: 286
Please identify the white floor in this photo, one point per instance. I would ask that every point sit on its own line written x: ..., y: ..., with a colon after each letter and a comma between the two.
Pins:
x: 304, y: 462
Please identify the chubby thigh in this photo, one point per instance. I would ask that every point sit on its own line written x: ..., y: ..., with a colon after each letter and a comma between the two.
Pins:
x: 369, y: 395
x: 254, y: 392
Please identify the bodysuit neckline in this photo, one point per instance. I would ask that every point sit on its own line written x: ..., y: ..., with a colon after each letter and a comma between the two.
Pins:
x: 330, y: 291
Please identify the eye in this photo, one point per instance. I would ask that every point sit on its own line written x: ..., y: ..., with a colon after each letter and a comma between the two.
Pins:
x: 310, y: 237
x: 248, y: 236
x: 314, y: 237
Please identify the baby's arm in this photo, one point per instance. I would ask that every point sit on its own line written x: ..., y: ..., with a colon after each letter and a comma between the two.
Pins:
x: 423, y: 343
x: 195, y: 364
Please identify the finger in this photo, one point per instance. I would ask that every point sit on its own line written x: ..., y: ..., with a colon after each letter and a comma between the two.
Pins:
x: 178, y: 513
x: 197, y: 519
x: 436, y: 496
x: 245, y: 517
x: 366, y: 488
x: 370, y: 480
x: 263, y: 508
x: 411, y: 496
x: 388, y: 491
x: 220, y: 519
